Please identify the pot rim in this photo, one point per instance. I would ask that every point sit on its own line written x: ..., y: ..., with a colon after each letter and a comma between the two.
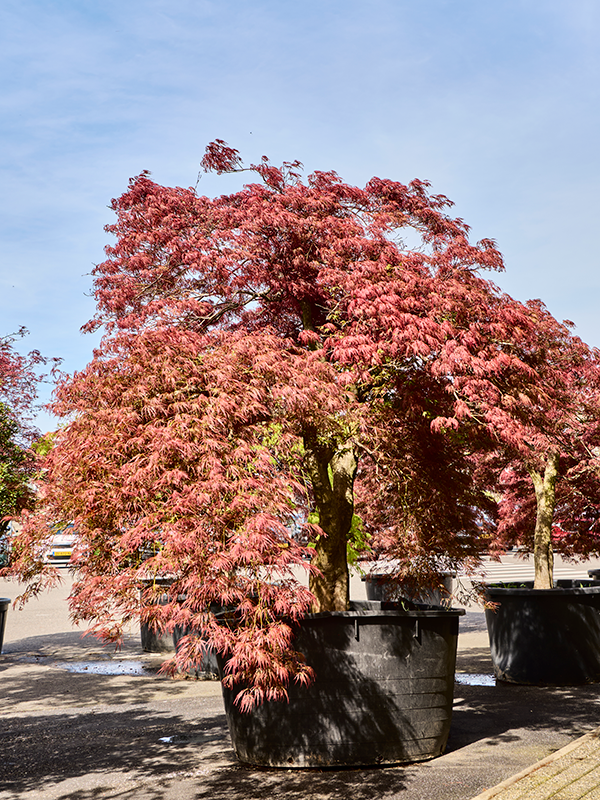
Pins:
x: 379, y: 608
x: 376, y: 576
x: 370, y: 610
x: 528, y: 591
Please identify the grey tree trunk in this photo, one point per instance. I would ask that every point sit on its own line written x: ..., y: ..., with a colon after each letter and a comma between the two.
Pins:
x: 332, y: 469
x: 545, y: 495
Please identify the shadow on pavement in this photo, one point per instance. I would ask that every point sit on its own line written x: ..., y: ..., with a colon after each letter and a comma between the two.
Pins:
x: 57, y: 688
x: 97, y: 737
x: 237, y: 785
x: 474, y: 659
x: 123, y: 753
x: 44, y: 750
x: 498, y: 712
x: 358, y: 784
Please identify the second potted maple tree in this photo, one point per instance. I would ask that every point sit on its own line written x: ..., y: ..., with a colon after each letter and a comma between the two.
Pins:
x: 548, y: 632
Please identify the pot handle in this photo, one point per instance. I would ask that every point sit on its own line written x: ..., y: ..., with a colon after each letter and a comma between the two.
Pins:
x: 417, y: 631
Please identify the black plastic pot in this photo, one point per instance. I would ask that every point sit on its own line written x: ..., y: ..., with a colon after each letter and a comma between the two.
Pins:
x: 545, y: 636
x: 379, y: 586
x: 208, y: 669
x: 383, y: 692
x: 154, y: 641
x: 4, y: 604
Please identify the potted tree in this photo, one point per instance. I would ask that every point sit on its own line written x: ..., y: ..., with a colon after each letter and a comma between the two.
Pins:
x: 278, y: 379
x: 548, y: 632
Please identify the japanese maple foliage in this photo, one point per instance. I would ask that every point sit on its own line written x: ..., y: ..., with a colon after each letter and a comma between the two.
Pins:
x: 278, y: 368
x: 550, y: 477
x: 19, y: 380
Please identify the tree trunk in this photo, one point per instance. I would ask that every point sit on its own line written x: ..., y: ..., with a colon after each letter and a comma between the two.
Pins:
x: 545, y: 496
x: 332, y: 468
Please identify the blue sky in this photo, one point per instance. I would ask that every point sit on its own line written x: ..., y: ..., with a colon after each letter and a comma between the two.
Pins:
x: 497, y: 104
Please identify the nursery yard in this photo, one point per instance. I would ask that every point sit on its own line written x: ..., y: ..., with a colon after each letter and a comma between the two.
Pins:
x: 72, y: 729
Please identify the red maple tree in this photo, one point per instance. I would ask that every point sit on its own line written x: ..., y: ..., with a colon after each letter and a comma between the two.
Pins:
x: 549, y: 477
x: 281, y: 375
x: 19, y: 380
x: 19, y: 377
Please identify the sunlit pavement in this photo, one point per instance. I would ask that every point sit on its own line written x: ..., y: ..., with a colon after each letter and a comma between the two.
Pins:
x: 572, y: 773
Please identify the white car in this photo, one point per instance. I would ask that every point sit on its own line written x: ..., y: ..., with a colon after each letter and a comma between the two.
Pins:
x: 61, y: 547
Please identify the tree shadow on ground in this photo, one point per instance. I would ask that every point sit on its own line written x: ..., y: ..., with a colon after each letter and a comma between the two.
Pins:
x: 253, y: 784
x: 475, y: 659
x: 122, y: 749
x: 123, y: 754
x: 40, y: 751
x: 239, y: 783
x: 117, y: 749
x: 245, y: 784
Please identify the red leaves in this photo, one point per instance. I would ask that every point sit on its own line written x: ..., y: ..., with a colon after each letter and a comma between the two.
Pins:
x: 220, y: 158
x: 19, y: 377
x: 261, y: 664
x: 255, y: 340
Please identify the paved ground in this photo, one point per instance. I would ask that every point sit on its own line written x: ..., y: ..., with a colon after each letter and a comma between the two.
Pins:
x: 68, y: 735
x: 572, y: 773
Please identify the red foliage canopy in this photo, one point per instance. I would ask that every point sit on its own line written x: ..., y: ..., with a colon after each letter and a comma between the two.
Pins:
x: 557, y: 473
x: 19, y: 378
x: 270, y: 354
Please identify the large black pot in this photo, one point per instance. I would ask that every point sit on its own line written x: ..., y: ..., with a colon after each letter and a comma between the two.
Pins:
x: 545, y: 636
x: 383, y: 692
x: 4, y: 604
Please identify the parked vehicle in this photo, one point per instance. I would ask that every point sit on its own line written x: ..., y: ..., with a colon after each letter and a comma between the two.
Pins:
x: 61, y: 548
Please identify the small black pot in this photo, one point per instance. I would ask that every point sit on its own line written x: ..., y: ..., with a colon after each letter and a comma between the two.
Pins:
x: 383, y: 692
x: 4, y: 604
x: 379, y: 586
x: 154, y: 641
x: 545, y: 637
x: 208, y: 669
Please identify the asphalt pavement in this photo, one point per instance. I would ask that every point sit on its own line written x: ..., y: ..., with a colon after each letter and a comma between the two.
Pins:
x: 81, y: 722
